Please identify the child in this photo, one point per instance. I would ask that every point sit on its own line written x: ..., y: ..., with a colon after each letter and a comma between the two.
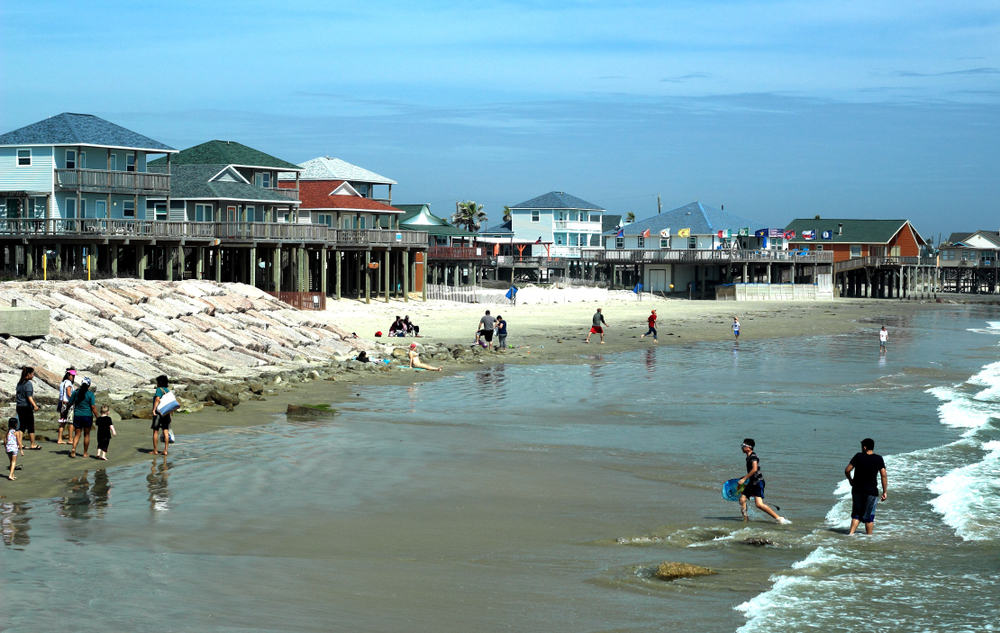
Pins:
x: 105, y: 430
x: 13, y: 446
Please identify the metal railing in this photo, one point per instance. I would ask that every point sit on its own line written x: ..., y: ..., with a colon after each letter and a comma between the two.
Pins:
x: 103, y: 180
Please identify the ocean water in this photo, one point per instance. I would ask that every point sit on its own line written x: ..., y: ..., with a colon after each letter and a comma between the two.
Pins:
x: 524, y: 498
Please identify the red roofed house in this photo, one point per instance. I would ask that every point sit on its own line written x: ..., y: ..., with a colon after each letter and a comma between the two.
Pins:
x: 373, y: 254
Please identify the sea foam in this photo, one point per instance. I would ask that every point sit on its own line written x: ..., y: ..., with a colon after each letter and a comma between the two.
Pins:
x: 968, y: 498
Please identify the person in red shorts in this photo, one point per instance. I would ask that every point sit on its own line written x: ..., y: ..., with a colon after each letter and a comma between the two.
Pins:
x: 597, y: 327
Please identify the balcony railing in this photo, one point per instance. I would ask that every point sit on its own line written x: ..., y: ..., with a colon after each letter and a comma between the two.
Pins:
x: 207, y: 231
x: 284, y: 192
x: 875, y: 262
x: 105, y: 181
x: 458, y: 252
x: 693, y: 256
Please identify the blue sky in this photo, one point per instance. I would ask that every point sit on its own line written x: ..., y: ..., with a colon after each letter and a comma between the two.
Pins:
x: 775, y: 109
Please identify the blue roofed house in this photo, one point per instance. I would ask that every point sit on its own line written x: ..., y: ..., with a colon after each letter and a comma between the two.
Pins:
x: 561, y: 221
x: 73, y: 166
x: 694, y: 226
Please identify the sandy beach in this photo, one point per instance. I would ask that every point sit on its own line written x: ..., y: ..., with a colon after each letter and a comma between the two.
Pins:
x: 546, y: 326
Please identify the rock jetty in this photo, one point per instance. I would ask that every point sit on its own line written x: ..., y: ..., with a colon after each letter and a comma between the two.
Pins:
x: 218, y: 343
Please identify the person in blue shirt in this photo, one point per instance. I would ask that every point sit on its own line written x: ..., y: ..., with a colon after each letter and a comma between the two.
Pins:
x: 84, y: 412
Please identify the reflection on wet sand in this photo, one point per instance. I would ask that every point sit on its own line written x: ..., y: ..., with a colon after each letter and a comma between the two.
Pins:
x: 14, y: 523
x: 156, y: 483
x: 101, y: 491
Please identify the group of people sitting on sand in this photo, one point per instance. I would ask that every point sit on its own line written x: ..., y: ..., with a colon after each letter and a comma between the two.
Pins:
x: 404, y: 327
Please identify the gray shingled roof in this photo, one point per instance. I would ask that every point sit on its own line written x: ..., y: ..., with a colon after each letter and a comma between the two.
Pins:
x: 557, y: 200
x: 849, y: 230
x: 700, y: 218
x: 193, y: 182
x: 81, y: 129
x: 327, y: 168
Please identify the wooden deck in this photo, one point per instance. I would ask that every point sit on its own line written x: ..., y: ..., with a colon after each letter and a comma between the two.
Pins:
x: 703, y: 256
x: 106, y: 231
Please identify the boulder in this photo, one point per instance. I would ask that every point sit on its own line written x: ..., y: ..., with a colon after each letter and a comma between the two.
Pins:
x: 224, y: 398
x: 672, y: 571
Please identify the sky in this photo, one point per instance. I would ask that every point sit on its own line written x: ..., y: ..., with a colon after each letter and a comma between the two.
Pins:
x: 776, y: 110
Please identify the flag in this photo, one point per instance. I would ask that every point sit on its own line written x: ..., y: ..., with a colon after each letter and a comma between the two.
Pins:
x: 665, y: 233
x: 539, y: 240
x: 638, y: 288
x: 760, y: 233
x: 745, y: 231
x: 789, y: 235
x: 684, y: 233
x: 809, y: 234
x: 720, y: 233
x: 645, y: 233
x: 496, y: 249
x: 621, y: 233
x: 827, y: 235
x: 510, y: 293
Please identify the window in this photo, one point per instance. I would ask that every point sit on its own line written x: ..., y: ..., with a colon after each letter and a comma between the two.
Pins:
x: 82, y: 163
x: 24, y: 158
x: 70, y: 208
x: 855, y: 251
x: 595, y: 217
x: 692, y: 242
x: 559, y: 239
x: 642, y: 242
x: 574, y: 239
x: 113, y: 162
x: 71, y: 159
x: 361, y: 222
x: 128, y: 209
x: 263, y: 179
x: 619, y: 242
x: 664, y: 242
x: 534, y: 216
x: 130, y: 162
x: 83, y: 207
x: 203, y: 213
x: 560, y: 215
x: 251, y: 213
x: 160, y: 209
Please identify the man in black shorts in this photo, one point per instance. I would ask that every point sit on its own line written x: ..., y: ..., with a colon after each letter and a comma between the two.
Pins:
x: 753, y: 484
x: 867, y: 467
x: 486, y: 325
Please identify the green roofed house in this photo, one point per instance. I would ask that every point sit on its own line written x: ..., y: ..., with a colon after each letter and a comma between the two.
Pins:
x: 225, y: 181
x: 440, y: 232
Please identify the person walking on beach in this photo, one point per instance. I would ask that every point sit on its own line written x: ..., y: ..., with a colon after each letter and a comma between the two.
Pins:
x: 105, y: 430
x: 65, y: 393
x: 736, y: 328
x: 415, y: 360
x: 651, y: 320
x: 12, y: 443
x: 867, y: 468
x: 84, y: 412
x: 753, y: 484
x: 501, y: 333
x: 597, y: 326
x: 161, y: 422
x: 486, y: 325
x: 24, y: 395
x: 883, y: 338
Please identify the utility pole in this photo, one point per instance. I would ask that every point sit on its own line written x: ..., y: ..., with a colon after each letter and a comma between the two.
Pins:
x: 659, y: 205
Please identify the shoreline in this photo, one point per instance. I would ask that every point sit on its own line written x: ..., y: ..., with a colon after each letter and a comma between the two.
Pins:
x: 535, y: 342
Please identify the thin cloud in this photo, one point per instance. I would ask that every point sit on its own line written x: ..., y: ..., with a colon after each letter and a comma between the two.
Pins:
x: 683, y: 78
x: 981, y: 70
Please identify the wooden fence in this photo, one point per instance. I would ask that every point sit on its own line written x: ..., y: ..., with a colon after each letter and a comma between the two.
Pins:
x: 302, y: 300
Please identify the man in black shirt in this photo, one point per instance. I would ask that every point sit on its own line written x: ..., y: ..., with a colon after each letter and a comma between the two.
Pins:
x: 753, y: 484
x: 867, y: 467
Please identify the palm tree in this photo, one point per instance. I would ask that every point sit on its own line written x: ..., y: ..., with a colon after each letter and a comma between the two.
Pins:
x: 630, y: 217
x: 506, y: 213
x: 469, y: 215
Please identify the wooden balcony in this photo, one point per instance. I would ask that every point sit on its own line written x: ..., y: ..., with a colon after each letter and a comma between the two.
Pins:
x: 877, y: 261
x: 703, y: 256
x: 120, y: 182
x: 238, y: 232
x: 458, y: 253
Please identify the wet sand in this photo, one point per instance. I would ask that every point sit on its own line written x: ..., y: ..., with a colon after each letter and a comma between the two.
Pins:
x: 539, y: 334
